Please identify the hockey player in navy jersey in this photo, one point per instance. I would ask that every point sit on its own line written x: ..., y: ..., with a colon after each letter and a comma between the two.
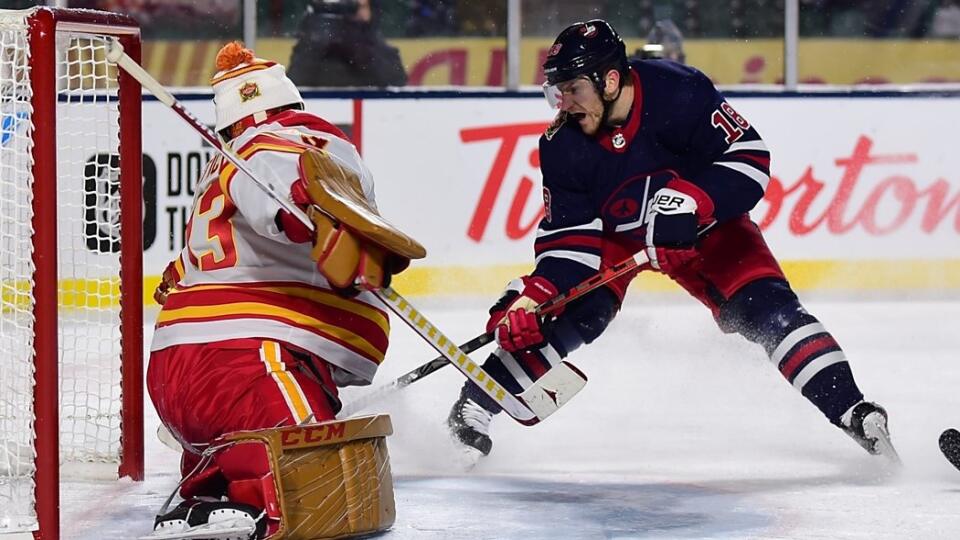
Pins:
x: 648, y: 155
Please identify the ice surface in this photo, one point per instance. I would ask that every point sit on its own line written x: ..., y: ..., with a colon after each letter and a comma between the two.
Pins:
x: 682, y: 432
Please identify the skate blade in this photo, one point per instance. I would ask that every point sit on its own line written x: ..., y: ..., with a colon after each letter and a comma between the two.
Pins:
x: 875, y: 427
x: 467, y: 458
x: 222, y: 530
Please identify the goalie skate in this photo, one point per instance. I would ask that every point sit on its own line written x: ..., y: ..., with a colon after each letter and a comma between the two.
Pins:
x: 209, y: 520
x: 866, y: 423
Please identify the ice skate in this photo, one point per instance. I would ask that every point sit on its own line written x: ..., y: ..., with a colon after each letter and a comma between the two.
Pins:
x: 469, y: 425
x: 209, y: 519
x: 866, y: 423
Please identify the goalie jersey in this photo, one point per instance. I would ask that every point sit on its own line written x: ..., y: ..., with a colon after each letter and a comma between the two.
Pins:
x: 240, y: 276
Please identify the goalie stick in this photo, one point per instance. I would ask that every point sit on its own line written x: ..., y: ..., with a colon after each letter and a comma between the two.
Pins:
x: 547, y: 308
x: 116, y: 55
x: 950, y: 446
x: 533, y: 405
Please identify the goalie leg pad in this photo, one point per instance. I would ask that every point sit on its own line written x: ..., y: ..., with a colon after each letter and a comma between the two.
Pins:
x: 333, y: 479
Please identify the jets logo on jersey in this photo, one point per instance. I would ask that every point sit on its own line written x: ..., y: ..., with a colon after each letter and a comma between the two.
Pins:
x: 546, y: 205
x: 624, y: 208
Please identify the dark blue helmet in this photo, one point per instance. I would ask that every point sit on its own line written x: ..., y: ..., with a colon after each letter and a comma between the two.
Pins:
x: 589, y: 48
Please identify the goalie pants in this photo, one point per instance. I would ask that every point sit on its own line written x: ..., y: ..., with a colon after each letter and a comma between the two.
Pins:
x: 740, y: 281
x: 202, y: 391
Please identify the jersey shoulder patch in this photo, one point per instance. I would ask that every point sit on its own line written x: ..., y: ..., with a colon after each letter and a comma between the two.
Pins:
x: 555, y: 126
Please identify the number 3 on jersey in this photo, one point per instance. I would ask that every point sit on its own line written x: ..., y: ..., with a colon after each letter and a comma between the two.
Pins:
x: 730, y: 121
x: 210, y: 234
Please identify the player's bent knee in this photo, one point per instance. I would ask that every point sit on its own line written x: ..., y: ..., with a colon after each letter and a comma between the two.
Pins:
x: 330, y: 480
x: 761, y: 309
x: 584, y: 321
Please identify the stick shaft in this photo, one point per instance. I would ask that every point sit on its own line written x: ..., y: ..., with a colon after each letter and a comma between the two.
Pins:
x: 547, y: 308
x: 115, y: 54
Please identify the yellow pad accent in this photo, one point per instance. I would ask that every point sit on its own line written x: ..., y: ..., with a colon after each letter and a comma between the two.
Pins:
x: 338, y: 193
x: 333, y: 478
x: 336, y: 250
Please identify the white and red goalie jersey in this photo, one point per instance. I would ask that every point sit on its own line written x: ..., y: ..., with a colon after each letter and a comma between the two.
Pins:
x: 240, y: 276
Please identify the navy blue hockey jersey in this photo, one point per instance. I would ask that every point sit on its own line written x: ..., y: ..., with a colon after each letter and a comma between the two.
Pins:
x: 597, y: 188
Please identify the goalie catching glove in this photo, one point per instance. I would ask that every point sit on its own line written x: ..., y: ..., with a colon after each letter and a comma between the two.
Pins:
x: 352, y: 244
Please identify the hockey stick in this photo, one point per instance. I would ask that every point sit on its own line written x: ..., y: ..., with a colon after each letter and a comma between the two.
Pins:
x: 547, y: 308
x: 116, y: 55
x: 565, y: 380
x: 950, y: 446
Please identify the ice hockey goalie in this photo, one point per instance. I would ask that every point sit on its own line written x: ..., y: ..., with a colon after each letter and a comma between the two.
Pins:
x: 264, y: 317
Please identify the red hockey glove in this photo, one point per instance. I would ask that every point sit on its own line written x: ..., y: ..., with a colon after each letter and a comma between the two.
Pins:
x: 295, y: 230
x: 675, y: 215
x: 168, y: 281
x: 513, y: 319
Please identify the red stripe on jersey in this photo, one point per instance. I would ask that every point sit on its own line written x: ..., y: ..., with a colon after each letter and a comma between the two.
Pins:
x: 261, y: 285
x: 356, y: 317
x: 580, y: 241
x: 292, y: 117
x: 272, y: 140
x: 804, y: 353
x: 763, y: 162
x: 328, y: 335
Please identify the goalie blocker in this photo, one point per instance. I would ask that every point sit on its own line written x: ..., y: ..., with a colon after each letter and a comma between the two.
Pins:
x: 327, y: 480
x: 352, y: 243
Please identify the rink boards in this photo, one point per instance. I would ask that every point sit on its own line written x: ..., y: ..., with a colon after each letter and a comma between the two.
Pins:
x: 864, y: 195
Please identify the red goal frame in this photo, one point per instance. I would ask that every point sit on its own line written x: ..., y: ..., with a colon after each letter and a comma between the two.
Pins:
x: 44, y: 23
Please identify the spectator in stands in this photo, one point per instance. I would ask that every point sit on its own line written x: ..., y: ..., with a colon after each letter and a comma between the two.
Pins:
x: 946, y: 20
x: 338, y: 44
x: 664, y: 41
x: 431, y: 18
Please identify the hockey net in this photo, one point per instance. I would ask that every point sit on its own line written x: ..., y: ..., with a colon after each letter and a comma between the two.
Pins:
x: 70, y: 272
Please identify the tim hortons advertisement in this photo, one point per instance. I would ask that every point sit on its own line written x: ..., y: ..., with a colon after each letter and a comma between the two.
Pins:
x: 864, y: 192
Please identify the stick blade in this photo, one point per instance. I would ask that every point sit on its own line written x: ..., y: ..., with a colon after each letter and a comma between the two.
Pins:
x: 553, y: 390
x: 950, y: 446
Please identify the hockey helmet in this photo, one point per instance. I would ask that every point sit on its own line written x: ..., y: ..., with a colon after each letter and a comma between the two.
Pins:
x: 248, y: 87
x: 585, y: 48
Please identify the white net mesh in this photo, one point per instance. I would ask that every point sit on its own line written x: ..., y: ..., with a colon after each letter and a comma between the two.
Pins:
x: 88, y: 239
x: 16, y: 268
x: 88, y: 183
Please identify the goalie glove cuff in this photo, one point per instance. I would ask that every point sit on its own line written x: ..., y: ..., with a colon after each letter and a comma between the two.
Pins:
x: 292, y: 227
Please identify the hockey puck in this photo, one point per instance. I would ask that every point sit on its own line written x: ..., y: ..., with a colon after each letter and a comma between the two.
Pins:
x: 950, y: 446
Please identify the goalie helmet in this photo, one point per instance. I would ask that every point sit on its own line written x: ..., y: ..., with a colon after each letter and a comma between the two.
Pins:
x: 585, y: 48
x: 245, y: 86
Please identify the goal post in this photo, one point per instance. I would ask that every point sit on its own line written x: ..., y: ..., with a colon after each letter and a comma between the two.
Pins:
x: 71, y: 278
